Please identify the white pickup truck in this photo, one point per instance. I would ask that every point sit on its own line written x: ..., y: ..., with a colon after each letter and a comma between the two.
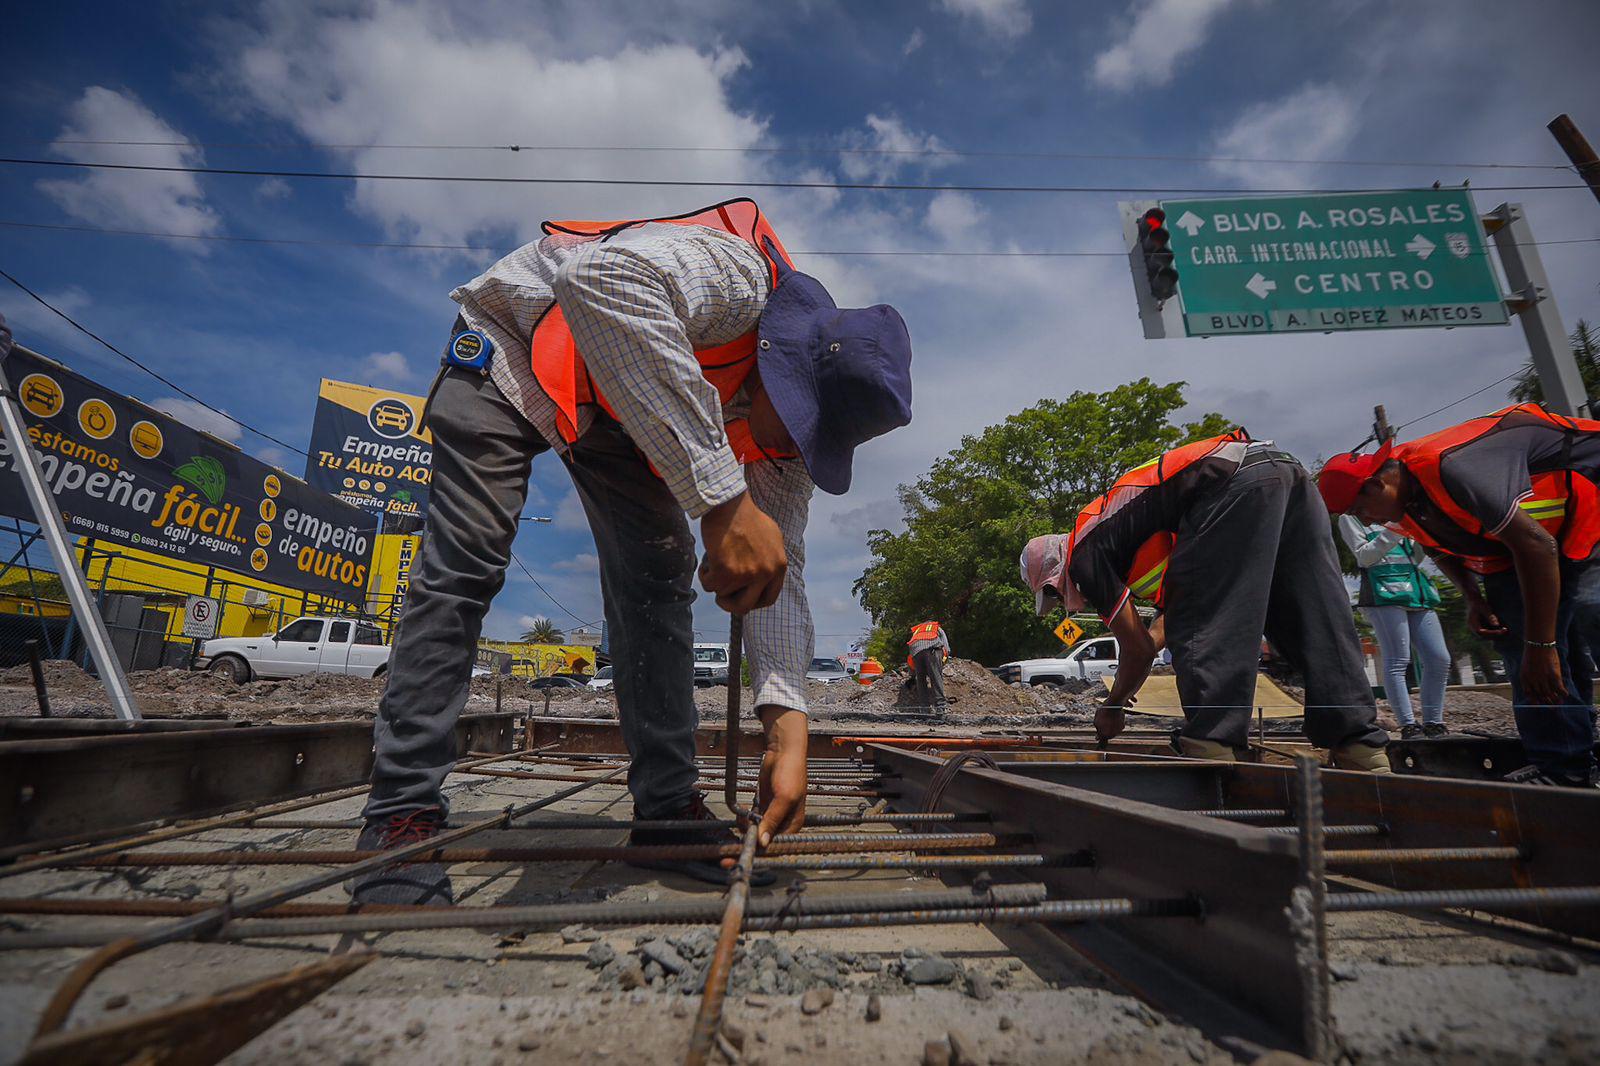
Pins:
x: 304, y: 646
x: 1089, y: 661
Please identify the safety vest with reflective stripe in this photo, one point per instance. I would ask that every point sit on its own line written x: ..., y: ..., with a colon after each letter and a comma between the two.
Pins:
x: 1563, y: 501
x: 924, y: 631
x: 1147, y: 576
x: 560, y: 369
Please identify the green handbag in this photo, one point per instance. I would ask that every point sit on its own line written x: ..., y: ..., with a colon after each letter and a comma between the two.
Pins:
x: 1399, y: 582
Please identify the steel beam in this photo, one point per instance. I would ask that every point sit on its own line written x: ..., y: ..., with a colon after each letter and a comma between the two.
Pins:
x: 1232, y: 971
x: 53, y: 789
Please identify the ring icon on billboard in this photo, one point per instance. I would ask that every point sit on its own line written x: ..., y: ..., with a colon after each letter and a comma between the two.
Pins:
x: 263, y: 534
x: 146, y: 439
x: 269, y: 510
x: 41, y: 395
x: 258, y: 559
x: 97, y: 418
x: 271, y: 485
x: 390, y: 418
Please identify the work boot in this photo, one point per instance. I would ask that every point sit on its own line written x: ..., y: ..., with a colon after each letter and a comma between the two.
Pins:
x: 1435, y: 729
x: 1361, y: 757
x: 1411, y: 731
x: 424, y: 883
x: 1533, y: 775
x: 1194, y: 748
x: 711, y: 871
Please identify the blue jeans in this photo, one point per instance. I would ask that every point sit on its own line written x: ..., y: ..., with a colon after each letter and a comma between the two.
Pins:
x: 1559, y: 739
x: 1403, y: 634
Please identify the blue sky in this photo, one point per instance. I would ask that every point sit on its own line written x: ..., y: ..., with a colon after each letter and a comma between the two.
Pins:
x: 252, y: 327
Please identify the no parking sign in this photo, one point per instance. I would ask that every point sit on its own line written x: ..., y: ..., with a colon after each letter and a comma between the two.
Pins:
x: 200, y: 615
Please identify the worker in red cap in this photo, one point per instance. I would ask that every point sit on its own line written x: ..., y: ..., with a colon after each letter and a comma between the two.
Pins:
x: 1507, y: 505
x: 1228, y: 536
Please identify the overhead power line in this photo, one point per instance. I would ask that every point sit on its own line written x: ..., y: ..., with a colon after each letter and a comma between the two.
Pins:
x: 168, y: 382
x: 323, y: 242
x: 1463, y: 399
x: 547, y: 593
x: 687, y: 183
x: 943, y: 153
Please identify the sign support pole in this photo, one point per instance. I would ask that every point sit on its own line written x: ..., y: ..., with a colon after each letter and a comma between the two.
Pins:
x: 55, y: 535
x: 1535, y: 307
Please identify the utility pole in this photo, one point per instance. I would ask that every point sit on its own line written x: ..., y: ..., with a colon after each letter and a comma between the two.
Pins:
x: 1380, y: 425
x: 1535, y: 307
x: 1578, y: 149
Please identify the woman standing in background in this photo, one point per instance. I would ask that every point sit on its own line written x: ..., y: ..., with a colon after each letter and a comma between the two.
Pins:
x: 1398, y: 599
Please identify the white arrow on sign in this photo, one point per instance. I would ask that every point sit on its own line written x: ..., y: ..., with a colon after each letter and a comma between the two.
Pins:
x: 1260, y: 285
x: 1190, y: 223
x: 1421, y: 245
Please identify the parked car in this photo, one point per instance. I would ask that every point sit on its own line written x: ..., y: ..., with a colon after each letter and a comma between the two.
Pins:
x: 557, y: 681
x: 1086, y: 662
x: 305, y: 646
x: 711, y: 664
x: 827, y: 671
x: 601, y: 679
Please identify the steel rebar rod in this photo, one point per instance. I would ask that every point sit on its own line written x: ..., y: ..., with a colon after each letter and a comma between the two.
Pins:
x: 208, y: 922
x: 793, y: 844
x: 704, y: 783
x: 1495, y: 898
x: 1375, y: 830
x: 896, y: 862
x: 1380, y: 856
x: 813, y: 821
x: 708, y: 1020
x: 611, y: 913
x: 1308, y: 907
x: 1245, y: 813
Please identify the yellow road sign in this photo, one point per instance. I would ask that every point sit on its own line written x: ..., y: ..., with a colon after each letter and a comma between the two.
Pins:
x: 1069, y: 632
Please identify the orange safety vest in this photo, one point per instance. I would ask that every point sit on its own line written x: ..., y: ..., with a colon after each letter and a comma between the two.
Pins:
x: 560, y: 369
x: 924, y: 631
x: 1564, y: 502
x: 1148, y: 573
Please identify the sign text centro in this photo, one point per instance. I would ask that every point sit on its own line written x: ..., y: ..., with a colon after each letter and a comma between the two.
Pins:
x: 369, y: 448
x: 1337, y: 261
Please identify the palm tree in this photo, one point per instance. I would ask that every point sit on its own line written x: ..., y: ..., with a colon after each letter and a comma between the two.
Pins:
x: 543, y: 631
x: 1585, y: 341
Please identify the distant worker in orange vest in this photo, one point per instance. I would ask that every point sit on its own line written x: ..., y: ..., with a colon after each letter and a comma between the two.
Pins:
x: 1508, y: 506
x: 1228, y: 537
x: 929, y: 646
x: 681, y: 368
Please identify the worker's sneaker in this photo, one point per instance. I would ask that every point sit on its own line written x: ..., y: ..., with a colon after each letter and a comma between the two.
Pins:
x: 417, y: 883
x: 1411, y: 731
x: 1532, y: 775
x: 1195, y: 748
x: 1435, y: 729
x: 710, y: 871
x: 1362, y: 757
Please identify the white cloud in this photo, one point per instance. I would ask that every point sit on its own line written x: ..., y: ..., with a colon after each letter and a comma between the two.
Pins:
x: 198, y: 416
x: 915, y: 41
x: 570, y: 515
x: 1006, y: 19
x: 404, y: 72
x: 388, y: 366
x: 273, y: 189
x: 163, y: 202
x: 1317, y: 122
x: 582, y: 563
x: 1162, y: 33
x: 884, y: 148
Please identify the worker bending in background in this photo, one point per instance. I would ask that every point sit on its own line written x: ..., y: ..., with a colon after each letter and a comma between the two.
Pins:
x: 928, y: 647
x: 1507, y: 505
x: 1228, y: 534
x: 682, y: 369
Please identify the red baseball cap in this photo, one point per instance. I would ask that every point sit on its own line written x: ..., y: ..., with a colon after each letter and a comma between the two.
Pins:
x: 1343, y: 476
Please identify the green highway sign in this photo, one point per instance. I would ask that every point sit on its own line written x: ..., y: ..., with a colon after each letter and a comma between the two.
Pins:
x: 1336, y: 261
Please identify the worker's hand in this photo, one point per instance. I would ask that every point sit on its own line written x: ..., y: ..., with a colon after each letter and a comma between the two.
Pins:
x: 1541, y: 676
x: 782, y: 788
x: 1109, y: 720
x: 1482, y: 620
x: 745, y: 560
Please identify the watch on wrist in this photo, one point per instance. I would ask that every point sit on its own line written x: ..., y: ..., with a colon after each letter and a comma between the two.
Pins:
x: 1541, y: 643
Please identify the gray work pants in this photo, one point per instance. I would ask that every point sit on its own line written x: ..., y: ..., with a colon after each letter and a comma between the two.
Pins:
x: 927, y: 671
x: 1255, y: 556
x: 483, y: 450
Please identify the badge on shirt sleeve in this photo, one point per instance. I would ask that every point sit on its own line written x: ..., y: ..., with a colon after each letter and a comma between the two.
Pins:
x: 470, y: 350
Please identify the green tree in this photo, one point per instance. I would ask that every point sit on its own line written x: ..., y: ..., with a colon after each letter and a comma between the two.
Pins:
x: 968, y: 517
x: 1585, y: 341
x: 543, y: 631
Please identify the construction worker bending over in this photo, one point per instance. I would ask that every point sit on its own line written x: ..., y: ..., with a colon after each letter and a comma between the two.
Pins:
x: 1228, y: 535
x: 1507, y: 505
x: 680, y: 367
x: 929, y: 646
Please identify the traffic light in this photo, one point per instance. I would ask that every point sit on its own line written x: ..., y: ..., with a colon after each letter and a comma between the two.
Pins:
x: 1155, y: 242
